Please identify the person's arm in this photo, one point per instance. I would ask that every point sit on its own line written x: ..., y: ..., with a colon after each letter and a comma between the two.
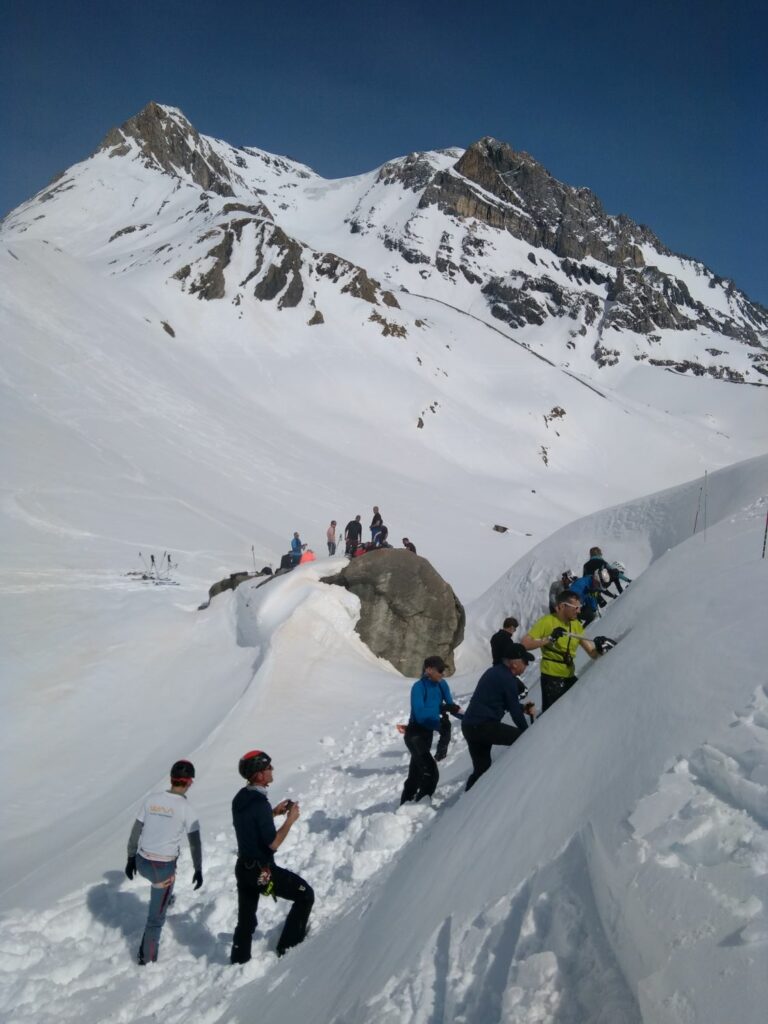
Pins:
x: 133, y: 848
x: 133, y: 838
x: 531, y: 642
x: 513, y: 704
x: 449, y: 704
x: 285, y: 828
x: 590, y: 648
x: 196, y: 849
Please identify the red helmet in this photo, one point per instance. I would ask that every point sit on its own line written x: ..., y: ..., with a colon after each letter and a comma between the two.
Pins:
x: 253, y: 762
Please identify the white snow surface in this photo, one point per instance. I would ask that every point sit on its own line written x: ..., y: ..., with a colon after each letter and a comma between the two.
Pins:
x: 610, y: 867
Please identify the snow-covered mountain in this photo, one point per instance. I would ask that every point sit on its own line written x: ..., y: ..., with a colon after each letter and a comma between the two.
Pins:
x: 487, y: 230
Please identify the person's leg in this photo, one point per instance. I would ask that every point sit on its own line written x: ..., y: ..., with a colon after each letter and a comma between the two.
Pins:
x: 247, y: 905
x: 480, y: 752
x: 411, y: 784
x: 289, y: 886
x: 161, y: 875
x: 444, y: 738
x: 426, y: 772
x: 553, y: 688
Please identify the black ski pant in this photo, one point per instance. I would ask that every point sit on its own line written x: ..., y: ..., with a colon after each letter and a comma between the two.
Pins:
x: 287, y: 886
x: 553, y: 688
x: 444, y: 738
x: 480, y: 738
x: 422, y: 772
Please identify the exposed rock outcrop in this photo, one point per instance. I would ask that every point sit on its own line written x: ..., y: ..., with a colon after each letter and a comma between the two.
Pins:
x: 407, y: 610
x: 169, y: 142
x: 517, y: 194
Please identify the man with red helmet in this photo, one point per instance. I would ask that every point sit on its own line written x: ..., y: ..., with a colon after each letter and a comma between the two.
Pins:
x: 255, y: 871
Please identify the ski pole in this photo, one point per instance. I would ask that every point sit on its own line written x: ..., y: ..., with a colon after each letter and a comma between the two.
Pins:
x: 765, y: 535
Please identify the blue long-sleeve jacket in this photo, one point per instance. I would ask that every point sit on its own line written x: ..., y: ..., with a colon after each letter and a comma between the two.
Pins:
x: 296, y: 545
x: 585, y: 589
x: 495, y: 693
x: 426, y: 698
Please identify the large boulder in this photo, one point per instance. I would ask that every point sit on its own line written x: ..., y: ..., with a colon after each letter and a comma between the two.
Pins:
x: 407, y: 610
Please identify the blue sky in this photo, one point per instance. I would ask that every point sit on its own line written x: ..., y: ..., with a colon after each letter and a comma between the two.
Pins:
x: 660, y: 108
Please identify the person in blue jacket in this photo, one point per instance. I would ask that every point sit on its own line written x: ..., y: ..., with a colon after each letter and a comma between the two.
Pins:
x: 430, y: 695
x: 496, y: 693
x: 590, y: 590
x: 296, y: 548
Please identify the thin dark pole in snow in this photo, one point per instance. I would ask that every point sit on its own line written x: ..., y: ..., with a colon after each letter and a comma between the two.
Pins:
x: 765, y: 535
x: 698, y: 507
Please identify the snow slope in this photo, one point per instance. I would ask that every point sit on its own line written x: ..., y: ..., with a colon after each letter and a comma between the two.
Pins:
x: 610, y: 867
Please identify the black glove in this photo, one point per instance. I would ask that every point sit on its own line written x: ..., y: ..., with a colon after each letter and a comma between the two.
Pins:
x: 197, y: 879
x: 454, y: 709
x: 130, y: 867
x: 603, y: 644
x: 557, y: 632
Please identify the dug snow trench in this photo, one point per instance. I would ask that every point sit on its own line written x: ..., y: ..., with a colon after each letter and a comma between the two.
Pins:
x: 610, y: 867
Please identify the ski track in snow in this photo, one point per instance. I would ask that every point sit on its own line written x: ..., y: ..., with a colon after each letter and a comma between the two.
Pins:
x: 76, y: 960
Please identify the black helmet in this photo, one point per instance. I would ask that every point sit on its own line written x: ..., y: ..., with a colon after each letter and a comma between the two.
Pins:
x: 252, y: 762
x: 182, y: 771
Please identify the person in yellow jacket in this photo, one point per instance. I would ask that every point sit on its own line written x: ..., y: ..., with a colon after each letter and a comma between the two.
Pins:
x: 559, y: 636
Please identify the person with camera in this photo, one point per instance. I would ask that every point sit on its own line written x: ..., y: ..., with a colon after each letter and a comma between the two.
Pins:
x: 255, y: 871
x: 496, y: 694
x: 559, y: 636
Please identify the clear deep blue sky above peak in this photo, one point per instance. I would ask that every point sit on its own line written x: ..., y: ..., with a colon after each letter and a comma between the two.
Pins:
x: 659, y: 107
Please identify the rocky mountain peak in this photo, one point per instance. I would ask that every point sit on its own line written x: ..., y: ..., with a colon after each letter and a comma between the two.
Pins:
x: 168, y: 142
x: 519, y: 195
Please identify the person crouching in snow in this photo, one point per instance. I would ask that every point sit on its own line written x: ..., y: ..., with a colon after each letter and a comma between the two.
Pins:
x: 154, y: 846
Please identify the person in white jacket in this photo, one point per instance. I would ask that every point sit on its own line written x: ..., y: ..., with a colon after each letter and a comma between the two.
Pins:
x: 154, y: 846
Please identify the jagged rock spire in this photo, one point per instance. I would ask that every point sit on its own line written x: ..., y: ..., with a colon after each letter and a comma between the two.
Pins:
x: 169, y: 142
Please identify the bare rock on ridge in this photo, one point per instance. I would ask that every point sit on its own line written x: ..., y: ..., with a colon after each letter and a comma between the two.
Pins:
x: 407, y: 610
x: 169, y: 142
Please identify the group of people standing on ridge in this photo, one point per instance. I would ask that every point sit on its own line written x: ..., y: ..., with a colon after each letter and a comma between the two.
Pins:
x: 166, y: 817
x: 353, y: 541
x: 500, y: 689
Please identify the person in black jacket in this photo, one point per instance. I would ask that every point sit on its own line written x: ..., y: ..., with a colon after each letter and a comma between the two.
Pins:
x: 496, y: 693
x: 255, y: 871
x: 376, y: 523
x: 502, y: 639
x: 352, y: 534
x: 615, y: 569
